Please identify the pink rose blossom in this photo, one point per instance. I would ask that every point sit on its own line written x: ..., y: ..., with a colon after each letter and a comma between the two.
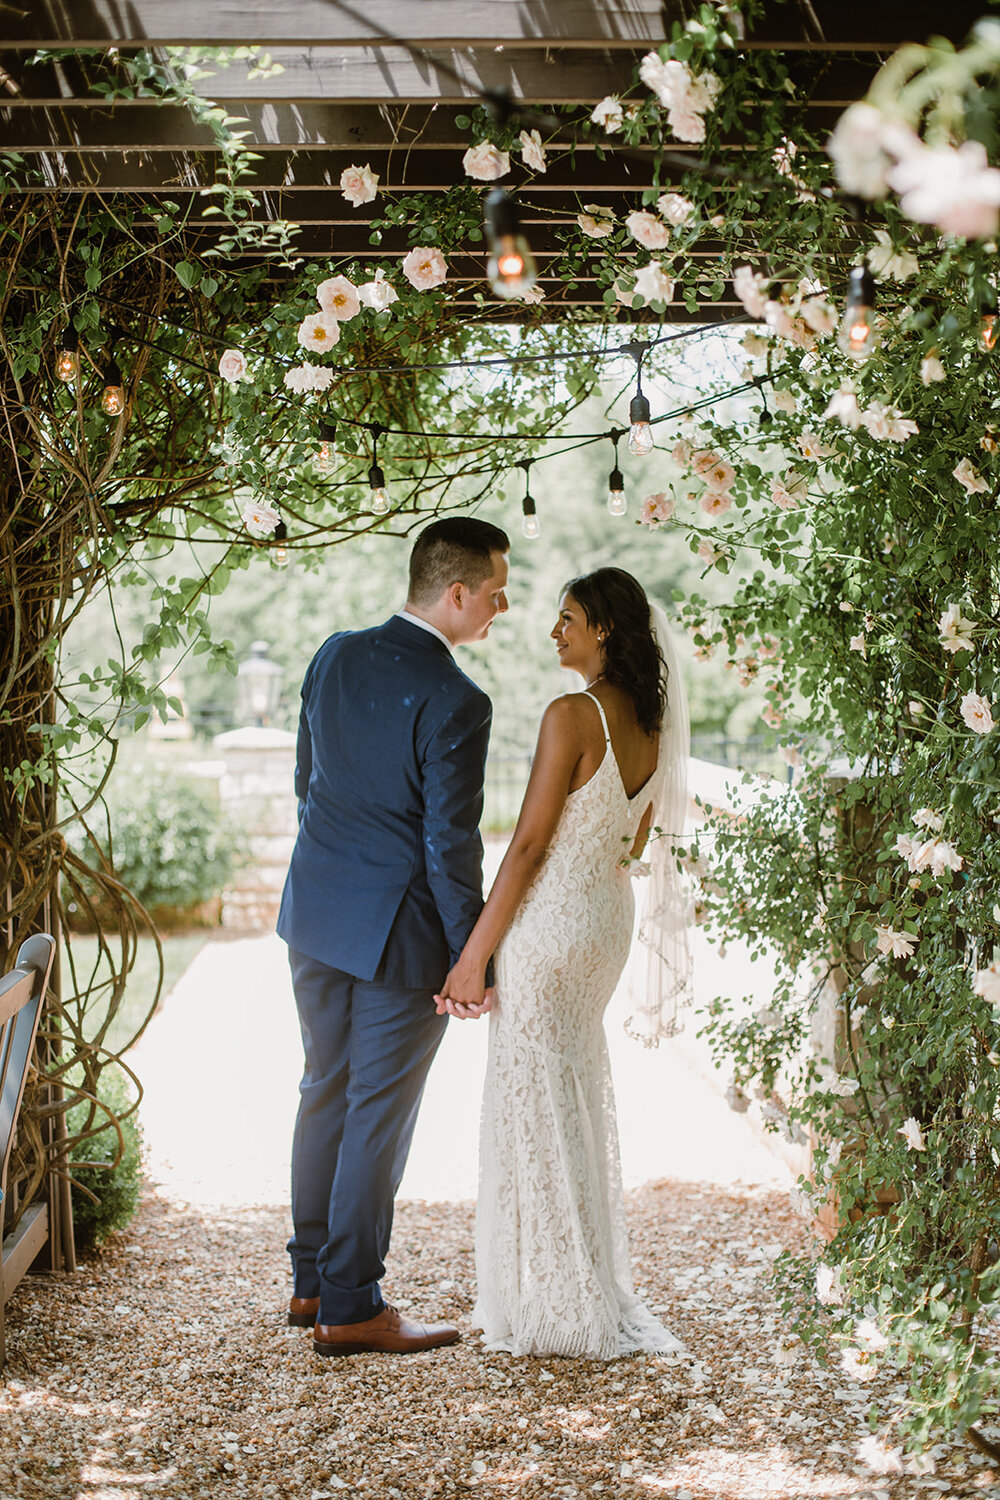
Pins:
x: 976, y: 711
x: 485, y: 163
x: 653, y: 284
x: 648, y: 230
x: 232, y: 366
x: 596, y: 221
x: 898, y: 944
x: 260, y: 519
x: 704, y: 459
x: 716, y: 502
x: 303, y: 378
x: 822, y: 317
x: 954, y: 188
x: 789, y: 492
x: 710, y: 554
x: 656, y: 508
x: 338, y: 297
x: 675, y: 208
x: 319, y: 332
x: 359, y: 184
x: 721, y: 476
x: 969, y: 477
x: 425, y: 267
x: 750, y: 289
x: 681, y: 453
x: 986, y: 983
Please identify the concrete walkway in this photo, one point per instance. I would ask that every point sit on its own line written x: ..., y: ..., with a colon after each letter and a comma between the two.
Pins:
x: 220, y: 1066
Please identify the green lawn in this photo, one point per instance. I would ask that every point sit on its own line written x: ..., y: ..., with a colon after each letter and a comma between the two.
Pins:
x: 178, y: 953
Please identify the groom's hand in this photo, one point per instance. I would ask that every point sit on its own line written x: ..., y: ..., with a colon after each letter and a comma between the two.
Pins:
x: 464, y: 995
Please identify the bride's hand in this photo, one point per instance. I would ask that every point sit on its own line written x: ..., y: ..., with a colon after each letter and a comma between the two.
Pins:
x: 464, y: 994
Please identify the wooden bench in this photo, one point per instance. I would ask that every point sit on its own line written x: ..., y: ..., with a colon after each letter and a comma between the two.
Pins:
x: 21, y: 994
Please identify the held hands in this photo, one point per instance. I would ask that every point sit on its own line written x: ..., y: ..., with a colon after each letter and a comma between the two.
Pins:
x: 464, y: 994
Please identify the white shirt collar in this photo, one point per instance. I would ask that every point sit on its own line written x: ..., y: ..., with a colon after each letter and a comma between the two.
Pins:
x: 404, y: 614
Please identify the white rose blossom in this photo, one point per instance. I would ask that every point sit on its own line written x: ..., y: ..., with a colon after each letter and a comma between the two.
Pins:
x: 596, y: 221
x: 232, y: 366
x: 653, y: 284
x: 675, y: 208
x: 784, y: 400
x: 843, y: 407
x: 260, y: 519
x: 378, y: 294
x: 709, y: 553
x: 830, y: 1289
x: 889, y: 264
x: 755, y: 344
x: 885, y: 423
x: 936, y: 855
x: 899, y: 944
x: 952, y: 187
x: 857, y: 1364
x: 879, y: 1457
x: 338, y: 297
x: 485, y: 162
x: 864, y: 146
x: 912, y: 1134
x: 425, y: 267
x: 986, y: 983
x: 858, y: 644
x: 931, y: 369
x: 532, y: 150
x: 303, y: 378
x: 976, y: 711
x: 319, y: 332
x: 955, y: 632
x: 830, y: 1081
x: 750, y: 288
x: 821, y: 316
x: 811, y: 447
x: 648, y: 230
x: 359, y: 184
x: 969, y: 477
x: 926, y: 817
x: 608, y: 114
x: 870, y: 1336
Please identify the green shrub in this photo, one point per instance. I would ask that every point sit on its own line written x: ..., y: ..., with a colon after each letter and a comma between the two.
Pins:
x: 115, y: 1187
x: 170, y: 843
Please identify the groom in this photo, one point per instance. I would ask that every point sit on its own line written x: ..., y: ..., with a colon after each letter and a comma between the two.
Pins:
x: 384, y: 887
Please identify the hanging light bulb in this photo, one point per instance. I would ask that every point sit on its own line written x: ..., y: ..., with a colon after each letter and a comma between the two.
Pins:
x: 640, y: 436
x: 68, y: 359
x: 857, y: 335
x: 617, y: 504
x: 279, y: 553
x: 113, y: 396
x: 378, y: 499
x: 327, y: 437
x: 511, y: 269
x: 989, y: 325
x: 530, y: 524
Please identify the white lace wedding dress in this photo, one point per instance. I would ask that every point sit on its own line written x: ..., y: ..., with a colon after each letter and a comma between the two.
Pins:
x: 552, y: 1257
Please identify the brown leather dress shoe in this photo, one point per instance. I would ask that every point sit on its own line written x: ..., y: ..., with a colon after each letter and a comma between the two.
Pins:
x: 386, y: 1333
x: 302, y: 1312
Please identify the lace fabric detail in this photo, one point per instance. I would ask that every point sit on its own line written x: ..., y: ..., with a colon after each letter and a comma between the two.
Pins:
x: 552, y: 1259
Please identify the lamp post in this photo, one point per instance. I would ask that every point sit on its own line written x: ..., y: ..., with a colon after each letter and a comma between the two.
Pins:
x: 258, y: 684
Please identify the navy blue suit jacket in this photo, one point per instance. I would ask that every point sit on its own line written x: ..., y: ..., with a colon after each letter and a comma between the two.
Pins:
x: 386, y: 876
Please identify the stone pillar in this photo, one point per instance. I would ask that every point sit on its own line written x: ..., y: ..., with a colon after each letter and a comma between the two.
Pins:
x: 256, y: 790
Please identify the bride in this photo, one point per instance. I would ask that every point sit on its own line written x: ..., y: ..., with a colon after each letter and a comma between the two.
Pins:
x: 552, y: 1255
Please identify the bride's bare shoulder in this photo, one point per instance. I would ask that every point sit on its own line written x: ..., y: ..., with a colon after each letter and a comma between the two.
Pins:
x: 574, y: 714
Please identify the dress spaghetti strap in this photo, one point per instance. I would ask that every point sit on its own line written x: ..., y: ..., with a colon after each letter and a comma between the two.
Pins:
x: 607, y: 732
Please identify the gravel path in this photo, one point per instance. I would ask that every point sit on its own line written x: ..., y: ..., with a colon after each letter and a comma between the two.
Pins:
x: 164, y: 1369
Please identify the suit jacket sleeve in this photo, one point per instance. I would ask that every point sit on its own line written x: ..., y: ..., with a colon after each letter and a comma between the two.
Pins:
x: 453, y: 805
x: 303, y: 748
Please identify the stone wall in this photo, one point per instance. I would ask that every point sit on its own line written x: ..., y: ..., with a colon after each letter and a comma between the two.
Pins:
x: 256, y: 791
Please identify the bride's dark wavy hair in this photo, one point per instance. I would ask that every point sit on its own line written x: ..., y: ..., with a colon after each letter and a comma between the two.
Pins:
x: 613, y: 601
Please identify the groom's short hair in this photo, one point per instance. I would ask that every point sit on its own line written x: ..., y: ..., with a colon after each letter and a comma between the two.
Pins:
x: 457, y: 549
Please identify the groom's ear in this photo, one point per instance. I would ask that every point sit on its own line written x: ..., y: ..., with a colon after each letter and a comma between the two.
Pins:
x: 455, y: 594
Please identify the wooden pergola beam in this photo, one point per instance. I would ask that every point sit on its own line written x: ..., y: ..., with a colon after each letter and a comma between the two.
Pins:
x: 508, y: 24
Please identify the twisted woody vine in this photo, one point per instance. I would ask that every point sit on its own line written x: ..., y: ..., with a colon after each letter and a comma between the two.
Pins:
x: 853, y: 506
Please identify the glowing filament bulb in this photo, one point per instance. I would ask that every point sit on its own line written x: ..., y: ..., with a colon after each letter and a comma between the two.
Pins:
x: 377, y: 499
x: 530, y: 524
x: 510, y: 269
x: 640, y: 434
x: 67, y: 360
x: 279, y: 554
x: 617, y: 504
x: 857, y: 335
x: 327, y: 437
